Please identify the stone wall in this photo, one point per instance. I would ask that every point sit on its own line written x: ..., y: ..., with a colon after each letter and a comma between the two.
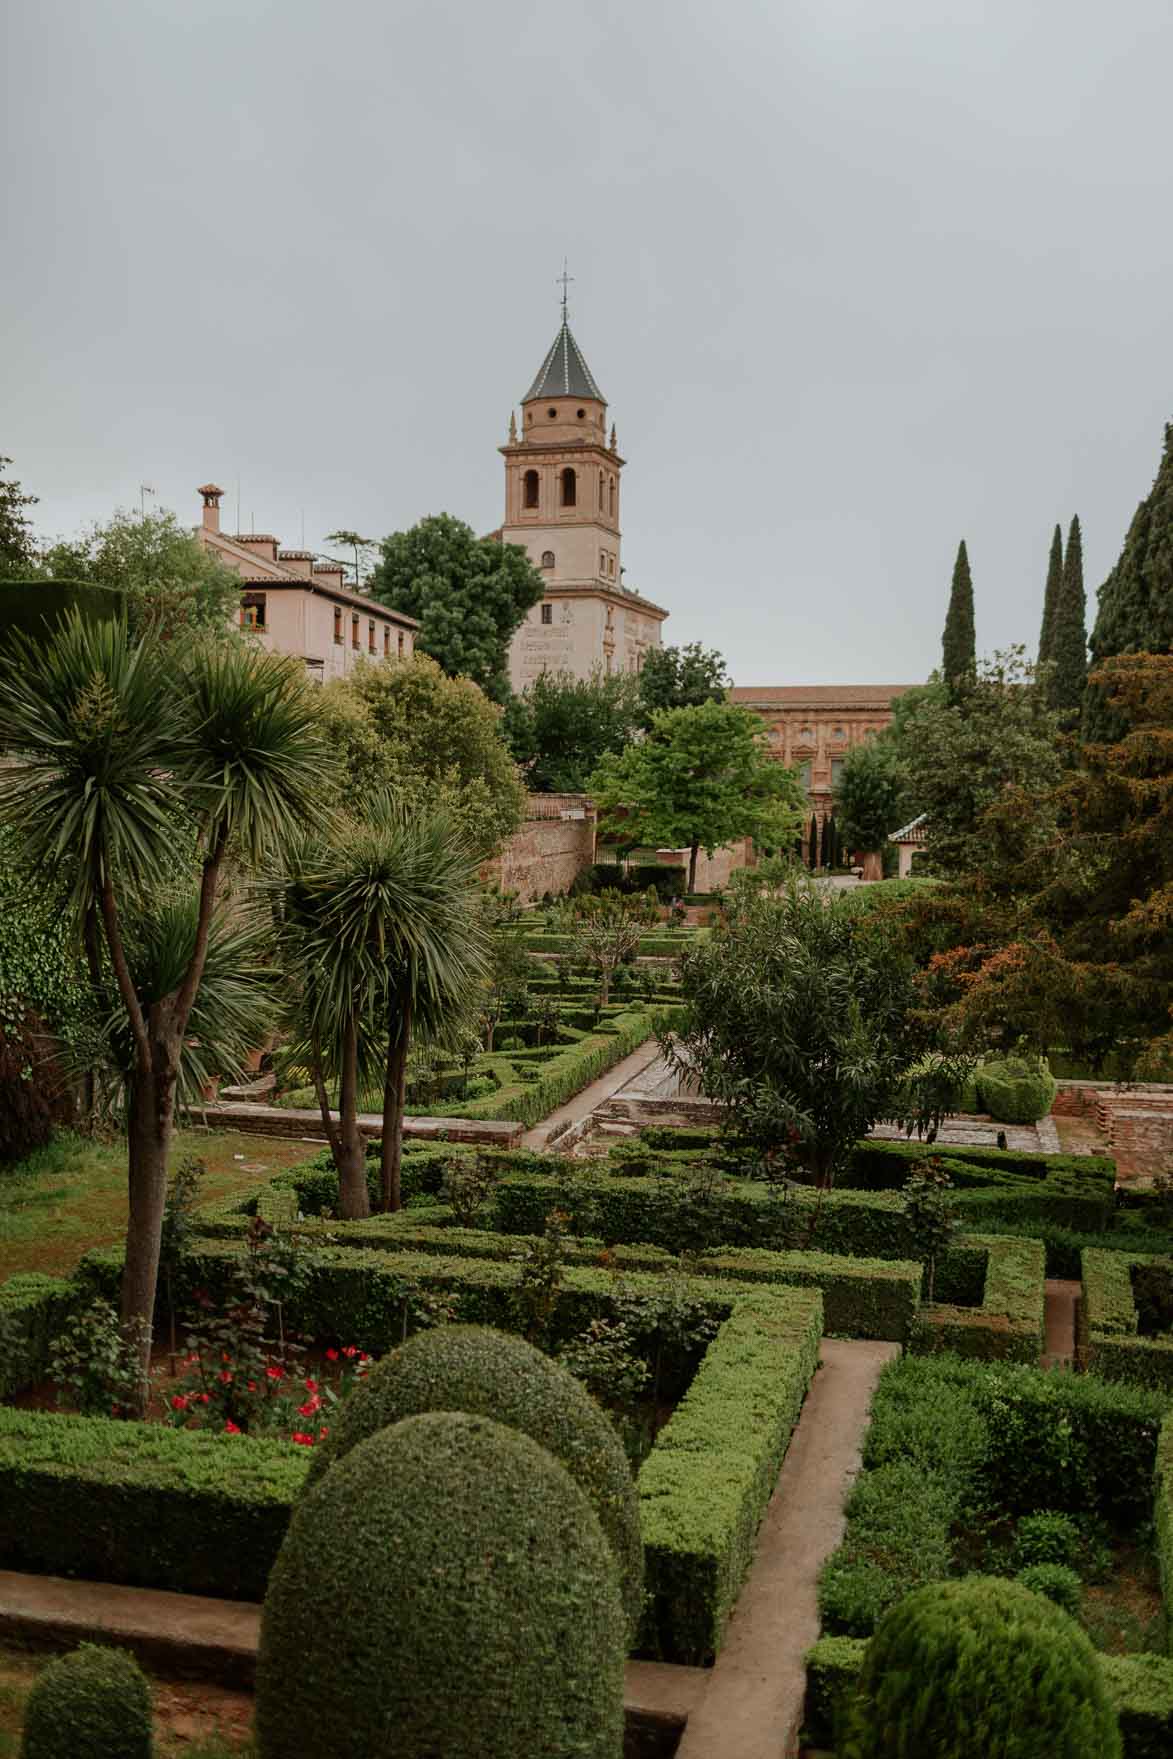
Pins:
x: 555, y: 843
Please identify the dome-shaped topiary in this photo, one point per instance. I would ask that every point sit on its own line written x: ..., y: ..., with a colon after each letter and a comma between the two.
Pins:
x: 1016, y: 1090
x: 494, y: 1374
x: 92, y: 1704
x: 446, y: 1589
x: 981, y: 1667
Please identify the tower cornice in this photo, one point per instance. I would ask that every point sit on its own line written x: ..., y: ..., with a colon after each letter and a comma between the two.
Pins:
x: 531, y: 448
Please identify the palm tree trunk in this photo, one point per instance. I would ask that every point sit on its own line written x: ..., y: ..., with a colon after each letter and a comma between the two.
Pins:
x: 394, y: 1105
x: 354, y: 1198
x: 148, y: 1138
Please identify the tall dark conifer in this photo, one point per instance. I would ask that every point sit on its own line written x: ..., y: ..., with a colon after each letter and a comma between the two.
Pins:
x: 958, y: 644
x: 814, y: 843
x: 1051, y: 598
x: 1069, y: 631
x: 1135, y: 612
x: 826, y: 855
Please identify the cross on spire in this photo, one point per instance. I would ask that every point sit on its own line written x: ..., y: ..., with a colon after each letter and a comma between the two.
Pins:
x: 564, y: 281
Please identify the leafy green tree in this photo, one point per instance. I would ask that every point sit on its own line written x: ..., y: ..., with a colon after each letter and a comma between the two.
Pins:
x: 119, y: 751
x: 869, y: 795
x: 800, y: 1017
x: 681, y: 677
x: 607, y: 931
x: 170, y: 581
x: 384, y: 940
x: 958, y: 651
x: 1069, y: 632
x: 703, y: 778
x: 431, y: 739
x: 561, y: 726
x: 1051, y: 598
x: 1135, y: 613
x: 362, y: 547
x: 961, y: 756
x: 469, y: 594
x: 17, y: 550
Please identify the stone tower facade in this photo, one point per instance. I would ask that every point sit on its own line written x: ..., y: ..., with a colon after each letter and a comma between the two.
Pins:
x: 562, y: 492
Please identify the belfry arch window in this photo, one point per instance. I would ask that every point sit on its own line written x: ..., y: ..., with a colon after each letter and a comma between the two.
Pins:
x: 602, y: 490
x: 547, y: 558
x: 612, y: 497
x: 529, y: 489
x: 569, y: 487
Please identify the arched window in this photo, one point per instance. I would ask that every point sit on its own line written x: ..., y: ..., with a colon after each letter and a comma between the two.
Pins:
x: 569, y: 487
x: 530, y: 489
x: 612, y: 497
x: 602, y: 490
x: 547, y: 558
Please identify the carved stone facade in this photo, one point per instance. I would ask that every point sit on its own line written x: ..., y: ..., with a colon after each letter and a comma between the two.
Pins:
x: 812, y: 727
x: 562, y: 493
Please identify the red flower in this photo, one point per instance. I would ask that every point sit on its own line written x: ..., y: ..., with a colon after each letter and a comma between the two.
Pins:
x: 275, y: 1373
x: 230, y: 1428
x: 202, y: 1397
x: 302, y: 1439
x: 252, y: 1386
x: 323, y: 1433
x: 363, y: 1357
x: 331, y: 1355
x: 350, y: 1350
x: 178, y: 1402
x: 224, y: 1376
x: 310, y: 1406
x: 311, y: 1386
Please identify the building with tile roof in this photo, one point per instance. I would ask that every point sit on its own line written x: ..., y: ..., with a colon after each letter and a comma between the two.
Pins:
x: 812, y: 727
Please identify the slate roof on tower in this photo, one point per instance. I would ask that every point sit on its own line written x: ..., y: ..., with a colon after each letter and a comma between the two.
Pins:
x: 564, y: 372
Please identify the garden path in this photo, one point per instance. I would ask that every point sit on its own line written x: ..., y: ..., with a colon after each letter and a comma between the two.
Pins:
x: 584, y: 1103
x: 754, y: 1703
x: 1060, y: 1309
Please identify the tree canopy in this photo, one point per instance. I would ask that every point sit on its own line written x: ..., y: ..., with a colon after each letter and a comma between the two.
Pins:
x: 870, y: 795
x: 958, y: 650
x: 701, y: 779
x: 430, y: 739
x: 1068, y: 650
x: 560, y: 727
x: 681, y: 677
x: 169, y: 580
x: 469, y: 594
x: 1051, y: 597
x: 17, y: 549
x: 1135, y: 611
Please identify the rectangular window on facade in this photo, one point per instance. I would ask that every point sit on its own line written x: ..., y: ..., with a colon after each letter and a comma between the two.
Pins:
x: 252, y: 610
x: 804, y: 774
x: 836, y: 771
x: 371, y: 636
x: 386, y: 642
x: 401, y: 644
x: 547, y: 613
x: 337, y: 626
x: 354, y: 642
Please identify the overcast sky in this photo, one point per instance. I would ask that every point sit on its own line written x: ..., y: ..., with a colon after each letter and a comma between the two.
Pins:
x: 858, y: 278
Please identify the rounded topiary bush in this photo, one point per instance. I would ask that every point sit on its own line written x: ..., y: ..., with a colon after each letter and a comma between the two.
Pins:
x: 92, y: 1704
x: 965, y: 1670
x: 445, y: 1589
x: 494, y: 1374
x: 1048, y: 1537
x: 1016, y: 1090
x: 1057, y: 1582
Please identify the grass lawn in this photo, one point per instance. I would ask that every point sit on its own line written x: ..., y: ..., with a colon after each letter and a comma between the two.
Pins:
x: 72, y: 1195
x: 197, y: 1721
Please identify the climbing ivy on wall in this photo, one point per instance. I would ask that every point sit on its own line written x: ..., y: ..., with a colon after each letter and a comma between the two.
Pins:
x: 40, y: 972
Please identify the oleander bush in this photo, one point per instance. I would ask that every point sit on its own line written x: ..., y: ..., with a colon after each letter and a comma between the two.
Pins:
x: 489, y: 1373
x: 964, y: 1670
x: 446, y: 1588
x: 1016, y: 1090
x: 91, y: 1704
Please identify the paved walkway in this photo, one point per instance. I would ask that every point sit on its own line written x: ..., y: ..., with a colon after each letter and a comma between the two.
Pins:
x: 1060, y: 1310
x: 584, y: 1103
x: 753, y: 1707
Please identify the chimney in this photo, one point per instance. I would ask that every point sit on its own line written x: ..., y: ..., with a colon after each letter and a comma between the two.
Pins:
x: 211, y: 495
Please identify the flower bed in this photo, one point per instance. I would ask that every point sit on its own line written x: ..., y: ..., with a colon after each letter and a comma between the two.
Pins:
x: 703, y: 1488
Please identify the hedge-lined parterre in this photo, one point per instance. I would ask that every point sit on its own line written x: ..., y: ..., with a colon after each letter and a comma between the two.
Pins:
x: 446, y: 1588
x: 488, y: 1373
x: 1007, y: 1322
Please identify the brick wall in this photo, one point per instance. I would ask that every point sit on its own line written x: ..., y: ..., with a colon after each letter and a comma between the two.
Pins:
x: 549, y: 850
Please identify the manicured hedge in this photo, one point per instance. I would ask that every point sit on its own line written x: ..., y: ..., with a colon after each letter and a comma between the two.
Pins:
x: 661, y: 944
x: 564, y: 1075
x: 138, y: 1503
x: 1163, y: 1517
x: 1139, y: 1686
x: 1109, y: 1343
x: 862, y: 1298
x: 1008, y: 1324
x: 705, y: 1485
x: 32, y: 1309
x: 1065, y: 1246
x: 879, y: 1165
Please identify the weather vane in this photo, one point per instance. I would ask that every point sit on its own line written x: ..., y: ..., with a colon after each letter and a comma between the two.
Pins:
x: 564, y: 281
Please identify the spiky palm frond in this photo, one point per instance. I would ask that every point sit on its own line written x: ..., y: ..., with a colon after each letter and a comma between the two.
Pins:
x: 96, y: 744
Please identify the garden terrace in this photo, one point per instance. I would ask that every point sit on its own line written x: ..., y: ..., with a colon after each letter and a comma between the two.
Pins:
x: 957, y: 1456
x: 703, y: 1486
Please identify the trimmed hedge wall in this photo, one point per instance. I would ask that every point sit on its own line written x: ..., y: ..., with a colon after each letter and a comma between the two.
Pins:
x: 1139, y: 1686
x: 880, y: 1166
x: 138, y: 1503
x: 862, y: 1298
x: 1109, y: 1343
x: 564, y: 1075
x: 32, y: 1309
x: 657, y: 945
x: 1008, y: 1325
x: 1163, y: 1518
x: 705, y: 1485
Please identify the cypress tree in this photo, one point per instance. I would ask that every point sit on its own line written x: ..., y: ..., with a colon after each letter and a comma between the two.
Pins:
x: 1050, y: 598
x: 814, y: 843
x: 958, y: 643
x: 1069, y: 630
x: 1135, y: 613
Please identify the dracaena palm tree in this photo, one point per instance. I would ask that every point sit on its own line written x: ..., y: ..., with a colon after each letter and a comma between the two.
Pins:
x: 386, y: 942
x: 131, y: 762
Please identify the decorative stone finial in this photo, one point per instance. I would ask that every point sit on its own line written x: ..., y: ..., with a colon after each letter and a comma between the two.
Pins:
x: 512, y: 427
x: 612, y: 436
